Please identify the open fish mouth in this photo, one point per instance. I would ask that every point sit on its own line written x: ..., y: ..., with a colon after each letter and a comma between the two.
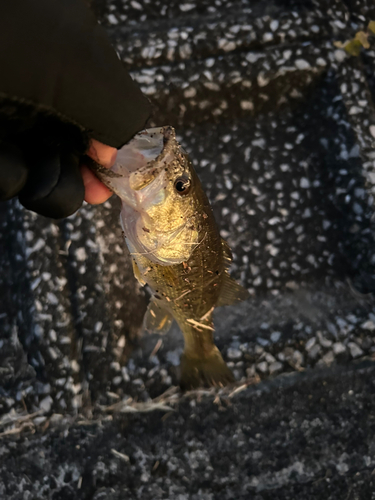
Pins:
x: 137, y: 176
x: 142, y: 149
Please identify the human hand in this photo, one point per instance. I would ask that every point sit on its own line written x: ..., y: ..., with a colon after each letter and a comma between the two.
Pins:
x: 48, y: 178
x: 64, y: 93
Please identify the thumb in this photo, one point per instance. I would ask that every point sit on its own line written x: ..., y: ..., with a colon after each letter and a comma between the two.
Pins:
x: 95, y: 191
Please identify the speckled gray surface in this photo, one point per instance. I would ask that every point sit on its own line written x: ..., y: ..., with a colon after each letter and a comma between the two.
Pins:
x: 281, y: 127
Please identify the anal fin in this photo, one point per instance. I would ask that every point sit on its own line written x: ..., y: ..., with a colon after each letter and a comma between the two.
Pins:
x: 157, y: 319
x: 231, y: 292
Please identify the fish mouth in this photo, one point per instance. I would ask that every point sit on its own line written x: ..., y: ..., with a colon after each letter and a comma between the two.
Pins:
x: 138, y: 173
x: 145, y: 147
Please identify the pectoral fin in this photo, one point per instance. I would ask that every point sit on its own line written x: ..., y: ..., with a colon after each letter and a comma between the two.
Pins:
x: 137, y: 273
x: 157, y: 319
x: 231, y: 292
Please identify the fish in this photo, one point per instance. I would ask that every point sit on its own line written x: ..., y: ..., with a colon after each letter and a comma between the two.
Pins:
x: 176, y: 248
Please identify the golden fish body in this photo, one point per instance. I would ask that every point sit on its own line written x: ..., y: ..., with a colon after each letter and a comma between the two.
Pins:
x: 176, y: 248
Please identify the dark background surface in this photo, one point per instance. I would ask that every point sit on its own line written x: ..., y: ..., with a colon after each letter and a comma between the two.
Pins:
x: 281, y: 127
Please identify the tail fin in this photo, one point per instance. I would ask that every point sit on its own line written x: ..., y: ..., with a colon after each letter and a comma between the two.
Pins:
x: 203, y: 372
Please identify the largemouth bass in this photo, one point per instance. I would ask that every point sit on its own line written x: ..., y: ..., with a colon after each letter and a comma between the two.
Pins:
x: 175, y: 246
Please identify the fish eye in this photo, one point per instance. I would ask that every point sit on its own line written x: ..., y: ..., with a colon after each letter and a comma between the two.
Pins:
x: 182, y: 185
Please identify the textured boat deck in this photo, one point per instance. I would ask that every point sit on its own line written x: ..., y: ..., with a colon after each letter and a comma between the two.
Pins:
x: 280, y: 125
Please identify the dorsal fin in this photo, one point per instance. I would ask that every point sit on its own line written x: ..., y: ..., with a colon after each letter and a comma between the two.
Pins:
x: 157, y: 319
x: 231, y: 292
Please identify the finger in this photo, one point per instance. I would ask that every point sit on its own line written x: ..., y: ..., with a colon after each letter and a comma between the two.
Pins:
x: 95, y: 191
x: 13, y: 172
x: 102, y: 154
x: 55, y: 187
x: 44, y: 172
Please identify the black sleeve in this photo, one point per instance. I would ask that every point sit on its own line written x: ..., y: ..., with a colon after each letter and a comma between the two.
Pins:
x: 55, y: 57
